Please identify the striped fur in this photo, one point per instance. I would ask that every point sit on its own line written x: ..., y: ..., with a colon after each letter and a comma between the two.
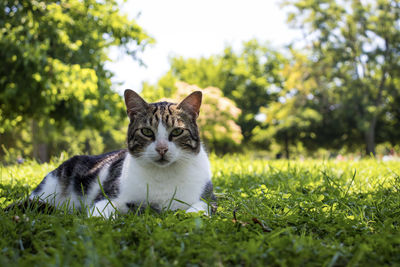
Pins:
x: 171, y: 116
x: 164, y: 165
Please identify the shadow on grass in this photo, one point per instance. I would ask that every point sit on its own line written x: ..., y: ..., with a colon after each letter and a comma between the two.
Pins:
x: 35, y: 206
x: 15, y: 198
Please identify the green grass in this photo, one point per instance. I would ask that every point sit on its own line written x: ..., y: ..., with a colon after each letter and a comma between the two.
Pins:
x: 287, y: 213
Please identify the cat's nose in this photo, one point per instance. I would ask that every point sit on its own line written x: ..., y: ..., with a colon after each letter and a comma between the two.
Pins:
x: 162, y: 150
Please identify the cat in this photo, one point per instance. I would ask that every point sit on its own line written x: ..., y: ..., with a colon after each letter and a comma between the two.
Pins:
x: 164, y: 166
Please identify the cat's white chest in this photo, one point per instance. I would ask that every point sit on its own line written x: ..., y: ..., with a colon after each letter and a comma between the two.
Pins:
x: 160, y: 186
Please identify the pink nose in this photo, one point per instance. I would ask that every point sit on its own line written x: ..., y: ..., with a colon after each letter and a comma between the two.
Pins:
x: 162, y: 150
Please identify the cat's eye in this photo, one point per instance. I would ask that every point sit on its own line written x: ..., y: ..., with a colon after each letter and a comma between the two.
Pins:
x: 176, y: 132
x: 147, y: 132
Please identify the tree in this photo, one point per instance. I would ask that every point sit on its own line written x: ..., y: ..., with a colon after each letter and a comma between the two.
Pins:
x: 294, y: 117
x: 247, y: 77
x: 359, y: 42
x: 52, y: 72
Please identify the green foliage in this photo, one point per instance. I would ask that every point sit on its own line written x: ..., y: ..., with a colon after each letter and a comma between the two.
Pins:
x: 302, y: 113
x: 323, y: 213
x: 339, y: 91
x: 247, y: 77
x: 355, y: 48
x: 52, y: 73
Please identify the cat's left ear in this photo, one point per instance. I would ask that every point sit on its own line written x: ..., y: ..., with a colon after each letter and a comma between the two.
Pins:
x: 134, y: 103
x: 192, y: 103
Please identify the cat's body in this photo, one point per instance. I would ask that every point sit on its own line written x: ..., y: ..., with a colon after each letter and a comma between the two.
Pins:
x: 165, y: 165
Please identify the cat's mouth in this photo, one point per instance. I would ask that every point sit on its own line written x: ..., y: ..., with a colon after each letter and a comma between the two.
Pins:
x: 162, y: 161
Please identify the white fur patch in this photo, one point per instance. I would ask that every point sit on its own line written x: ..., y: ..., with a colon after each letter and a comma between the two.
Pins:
x: 162, y: 133
x: 50, y: 191
x: 200, y: 206
x: 103, y: 208
x: 183, y: 180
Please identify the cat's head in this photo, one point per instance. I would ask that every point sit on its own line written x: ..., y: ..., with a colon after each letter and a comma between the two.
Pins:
x: 162, y: 133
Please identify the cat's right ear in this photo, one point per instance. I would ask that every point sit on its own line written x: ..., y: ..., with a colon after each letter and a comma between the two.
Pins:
x: 192, y: 103
x: 134, y: 103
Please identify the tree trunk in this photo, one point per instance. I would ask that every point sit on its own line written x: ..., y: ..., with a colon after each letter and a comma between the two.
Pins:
x: 35, y: 139
x: 40, y: 147
x: 287, y: 146
x: 370, y: 134
x: 370, y: 137
x: 43, y: 152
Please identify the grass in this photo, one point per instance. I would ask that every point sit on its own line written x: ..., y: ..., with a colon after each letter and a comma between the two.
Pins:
x: 278, y: 213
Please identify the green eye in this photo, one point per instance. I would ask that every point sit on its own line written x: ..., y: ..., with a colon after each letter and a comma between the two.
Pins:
x: 176, y: 132
x: 147, y: 132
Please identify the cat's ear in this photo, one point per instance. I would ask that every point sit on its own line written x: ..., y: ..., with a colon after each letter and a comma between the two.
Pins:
x: 134, y: 103
x: 192, y: 103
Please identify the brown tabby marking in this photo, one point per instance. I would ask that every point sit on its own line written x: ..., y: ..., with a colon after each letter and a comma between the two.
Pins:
x: 171, y: 116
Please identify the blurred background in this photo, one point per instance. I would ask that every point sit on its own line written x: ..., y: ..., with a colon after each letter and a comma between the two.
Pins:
x: 281, y: 79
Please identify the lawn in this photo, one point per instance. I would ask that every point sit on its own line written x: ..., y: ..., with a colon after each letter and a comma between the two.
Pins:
x: 279, y: 213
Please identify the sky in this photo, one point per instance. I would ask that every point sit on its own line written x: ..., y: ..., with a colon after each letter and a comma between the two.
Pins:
x: 191, y: 28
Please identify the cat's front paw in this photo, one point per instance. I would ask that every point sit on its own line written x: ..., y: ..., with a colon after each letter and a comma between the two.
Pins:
x: 199, y: 206
x: 103, y: 208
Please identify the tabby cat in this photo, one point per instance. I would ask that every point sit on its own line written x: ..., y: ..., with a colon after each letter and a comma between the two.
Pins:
x: 164, y: 166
